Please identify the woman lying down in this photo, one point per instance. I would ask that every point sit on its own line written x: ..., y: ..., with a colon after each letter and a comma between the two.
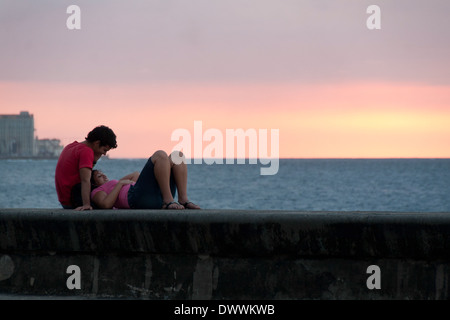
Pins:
x: 153, y: 188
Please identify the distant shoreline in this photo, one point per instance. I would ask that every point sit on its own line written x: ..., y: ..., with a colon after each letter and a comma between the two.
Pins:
x: 107, y: 158
x: 29, y: 158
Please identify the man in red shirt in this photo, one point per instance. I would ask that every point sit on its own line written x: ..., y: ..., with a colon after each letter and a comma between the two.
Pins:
x: 74, y: 167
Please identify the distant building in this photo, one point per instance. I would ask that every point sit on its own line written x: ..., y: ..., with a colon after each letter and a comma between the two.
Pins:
x: 17, y: 135
x: 17, y: 138
x: 48, y: 148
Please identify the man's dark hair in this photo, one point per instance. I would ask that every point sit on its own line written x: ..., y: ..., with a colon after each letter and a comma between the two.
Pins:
x: 106, y: 136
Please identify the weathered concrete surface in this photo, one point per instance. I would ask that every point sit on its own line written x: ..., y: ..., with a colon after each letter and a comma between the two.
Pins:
x: 224, y: 254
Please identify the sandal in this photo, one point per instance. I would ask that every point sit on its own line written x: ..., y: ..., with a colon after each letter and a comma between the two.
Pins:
x: 166, y: 205
x: 189, y: 202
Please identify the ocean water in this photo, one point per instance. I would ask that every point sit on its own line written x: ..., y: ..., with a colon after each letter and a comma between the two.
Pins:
x: 402, y: 185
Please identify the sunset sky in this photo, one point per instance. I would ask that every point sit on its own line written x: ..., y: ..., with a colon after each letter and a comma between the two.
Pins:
x: 311, y: 69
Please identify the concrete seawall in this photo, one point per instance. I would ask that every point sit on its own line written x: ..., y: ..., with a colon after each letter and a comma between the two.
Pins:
x: 224, y: 254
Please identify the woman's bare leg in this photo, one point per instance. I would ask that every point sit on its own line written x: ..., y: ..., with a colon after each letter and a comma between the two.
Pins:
x: 180, y: 175
x: 162, y: 164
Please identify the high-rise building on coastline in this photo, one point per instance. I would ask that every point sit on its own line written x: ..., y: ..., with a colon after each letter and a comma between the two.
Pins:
x: 17, y: 138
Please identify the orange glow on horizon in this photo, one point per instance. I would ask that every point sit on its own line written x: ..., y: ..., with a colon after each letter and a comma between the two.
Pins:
x: 368, y: 120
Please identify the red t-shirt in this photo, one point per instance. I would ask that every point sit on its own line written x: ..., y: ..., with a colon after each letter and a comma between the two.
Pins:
x: 67, y: 174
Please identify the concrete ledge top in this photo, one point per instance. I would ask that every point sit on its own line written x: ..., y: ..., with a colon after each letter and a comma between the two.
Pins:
x: 228, y: 232
x: 223, y: 215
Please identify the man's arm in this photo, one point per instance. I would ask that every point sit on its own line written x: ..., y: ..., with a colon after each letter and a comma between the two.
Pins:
x: 85, y: 176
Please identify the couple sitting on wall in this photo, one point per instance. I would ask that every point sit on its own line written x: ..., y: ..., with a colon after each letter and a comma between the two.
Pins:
x: 81, y: 188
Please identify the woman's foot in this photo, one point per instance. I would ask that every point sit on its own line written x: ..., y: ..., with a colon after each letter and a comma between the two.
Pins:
x: 172, y: 205
x: 190, y: 205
